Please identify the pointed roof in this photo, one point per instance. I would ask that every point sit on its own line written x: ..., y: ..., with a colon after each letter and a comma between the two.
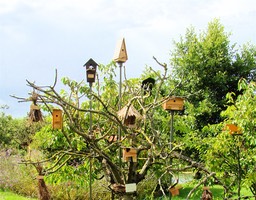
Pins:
x: 128, y: 111
x: 120, y: 55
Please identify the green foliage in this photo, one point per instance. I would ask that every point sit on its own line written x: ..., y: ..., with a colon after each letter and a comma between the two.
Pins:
x: 210, y: 67
x: 6, y: 129
x: 233, y: 156
x: 17, y: 178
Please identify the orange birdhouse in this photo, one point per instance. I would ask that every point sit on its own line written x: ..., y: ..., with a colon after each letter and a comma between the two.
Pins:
x: 174, y: 191
x: 174, y: 103
x: 233, y: 129
x: 57, y: 119
x: 129, y: 154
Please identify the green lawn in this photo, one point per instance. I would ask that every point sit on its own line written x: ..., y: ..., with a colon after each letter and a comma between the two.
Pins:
x: 11, y: 196
x: 216, y: 190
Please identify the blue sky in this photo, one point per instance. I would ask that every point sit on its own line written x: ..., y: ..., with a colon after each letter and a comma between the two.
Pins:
x: 39, y: 36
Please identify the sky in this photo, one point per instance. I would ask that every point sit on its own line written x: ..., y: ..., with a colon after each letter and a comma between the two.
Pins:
x: 39, y: 36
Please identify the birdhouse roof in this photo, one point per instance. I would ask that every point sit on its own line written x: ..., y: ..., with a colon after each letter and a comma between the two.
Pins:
x: 90, y: 62
x: 128, y: 111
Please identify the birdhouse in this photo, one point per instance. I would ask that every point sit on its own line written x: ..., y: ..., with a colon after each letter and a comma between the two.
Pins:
x: 147, y: 85
x: 174, y: 103
x: 129, y: 154
x: 233, y: 129
x: 34, y: 107
x: 91, y: 67
x: 129, y: 114
x: 175, y: 191
x: 120, y: 55
x: 57, y: 119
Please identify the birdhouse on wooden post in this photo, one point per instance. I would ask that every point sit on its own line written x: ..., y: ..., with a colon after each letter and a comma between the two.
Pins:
x: 233, y: 129
x: 129, y: 154
x: 129, y: 114
x: 120, y: 55
x: 57, y: 119
x: 174, y: 103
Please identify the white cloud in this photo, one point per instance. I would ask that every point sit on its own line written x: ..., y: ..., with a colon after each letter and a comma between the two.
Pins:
x: 38, y: 34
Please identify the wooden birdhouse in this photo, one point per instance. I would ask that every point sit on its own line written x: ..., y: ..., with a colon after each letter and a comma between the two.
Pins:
x: 91, y: 67
x: 174, y: 103
x: 175, y: 191
x: 129, y: 154
x: 120, y: 55
x: 129, y: 115
x: 57, y: 119
x: 233, y: 129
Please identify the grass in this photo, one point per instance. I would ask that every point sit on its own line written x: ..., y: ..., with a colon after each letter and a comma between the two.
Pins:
x: 4, y: 195
x: 216, y: 190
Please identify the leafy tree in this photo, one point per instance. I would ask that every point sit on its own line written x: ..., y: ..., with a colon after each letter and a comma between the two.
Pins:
x: 5, y: 132
x: 233, y: 156
x: 208, y: 67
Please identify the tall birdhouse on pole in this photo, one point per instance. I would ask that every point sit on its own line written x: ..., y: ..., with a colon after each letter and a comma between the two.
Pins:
x: 91, y: 67
x: 120, y: 55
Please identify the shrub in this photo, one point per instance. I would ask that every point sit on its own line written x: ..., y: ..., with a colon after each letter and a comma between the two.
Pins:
x: 16, y: 177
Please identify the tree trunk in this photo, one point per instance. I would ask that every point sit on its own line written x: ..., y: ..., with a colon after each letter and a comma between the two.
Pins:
x: 43, y: 191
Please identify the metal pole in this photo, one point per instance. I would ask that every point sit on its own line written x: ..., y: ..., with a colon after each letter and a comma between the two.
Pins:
x: 119, y: 108
x: 239, y: 173
x: 171, y: 129
x: 171, y: 141
x: 90, y: 170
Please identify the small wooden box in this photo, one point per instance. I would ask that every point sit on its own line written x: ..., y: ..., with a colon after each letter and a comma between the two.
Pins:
x: 129, y: 154
x: 174, y: 103
x: 57, y: 119
x: 175, y: 191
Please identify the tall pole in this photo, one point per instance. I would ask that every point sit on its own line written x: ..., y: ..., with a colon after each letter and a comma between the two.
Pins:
x: 171, y: 130
x: 171, y: 141
x: 90, y: 170
x: 120, y: 57
x: 91, y: 67
x: 119, y: 108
